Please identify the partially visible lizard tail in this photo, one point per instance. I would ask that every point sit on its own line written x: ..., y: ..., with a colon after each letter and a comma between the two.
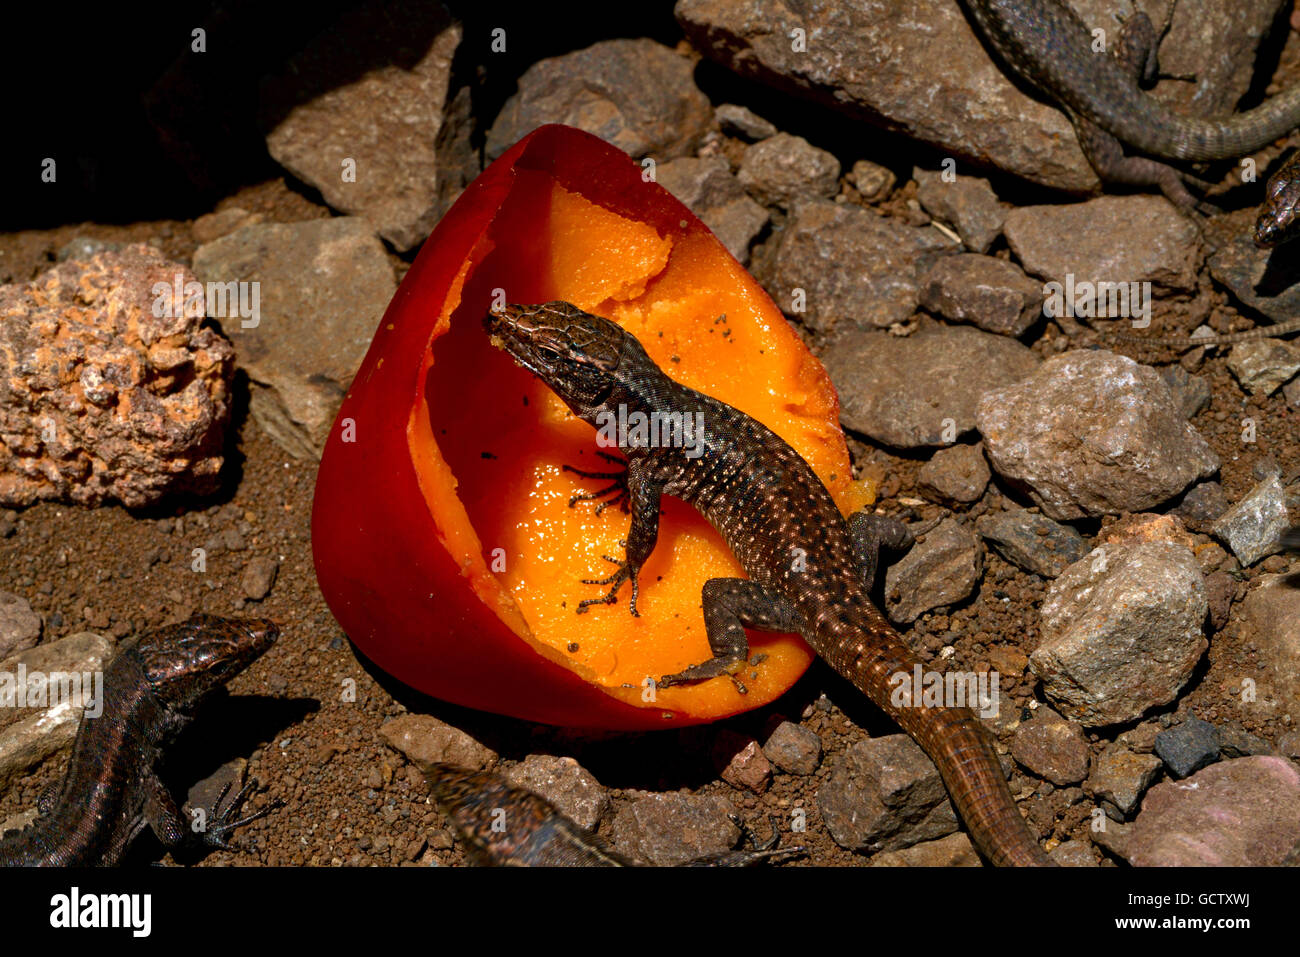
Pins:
x: 954, y: 740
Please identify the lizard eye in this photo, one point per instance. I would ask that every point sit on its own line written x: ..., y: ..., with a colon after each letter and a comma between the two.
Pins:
x: 548, y: 354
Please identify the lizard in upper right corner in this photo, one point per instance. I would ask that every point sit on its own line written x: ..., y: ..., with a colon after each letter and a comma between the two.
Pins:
x: 1048, y: 45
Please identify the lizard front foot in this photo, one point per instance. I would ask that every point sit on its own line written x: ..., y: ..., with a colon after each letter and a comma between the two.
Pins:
x: 617, y: 488
x: 221, y: 827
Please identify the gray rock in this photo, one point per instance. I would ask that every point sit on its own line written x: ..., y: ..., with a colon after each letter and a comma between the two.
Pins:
x: 637, y: 95
x: 670, y: 829
x: 873, y: 181
x: 1191, y: 392
x: 784, y: 169
x: 1096, y: 251
x: 258, y: 577
x: 941, y: 569
x: 1031, y: 541
x: 955, y: 850
x: 324, y: 285
x: 958, y: 473
x: 1239, y: 813
x: 365, y: 114
x: 1291, y: 392
x: 425, y: 740
x: 987, y: 292
x: 707, y: 187
x: 1252, y: 526
x: 20, y: 627
x: 885, y: 794
x: 743, y: 122
x: 1236, y: 742
x: 1245, y: 270
x: 563, y: 782
x: 84, y: 247
x: 1120, y: 778
x: 966, y: 203
x: 1052, y: 748
x: 1093, y: 433
x: 212, y: 226
x: 1188, y: 747
x: 839, y: 263
x: 921, y: 389
x: 1121, y: 631
x: 1271, y: 617
x: 29, y: 741
x: 1263, y: 365
x: 793, y: 748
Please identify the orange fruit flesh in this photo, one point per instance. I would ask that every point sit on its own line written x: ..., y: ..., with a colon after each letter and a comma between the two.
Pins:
x: 490, y: 442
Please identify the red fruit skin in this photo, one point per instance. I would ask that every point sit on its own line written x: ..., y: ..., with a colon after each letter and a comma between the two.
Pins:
x: 395, y: 590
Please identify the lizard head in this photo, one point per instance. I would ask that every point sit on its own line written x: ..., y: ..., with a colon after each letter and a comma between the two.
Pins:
x: 184, y: 662
x: 580, y: 356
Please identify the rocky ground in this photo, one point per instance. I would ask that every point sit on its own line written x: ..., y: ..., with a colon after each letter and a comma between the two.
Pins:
x: 1105, y: 512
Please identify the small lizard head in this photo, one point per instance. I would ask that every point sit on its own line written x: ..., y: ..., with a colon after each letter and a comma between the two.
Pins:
x: 575, y: 353
x: 184, y: 662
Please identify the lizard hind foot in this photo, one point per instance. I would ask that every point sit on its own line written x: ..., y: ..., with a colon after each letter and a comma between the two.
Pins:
x: 705, y: 670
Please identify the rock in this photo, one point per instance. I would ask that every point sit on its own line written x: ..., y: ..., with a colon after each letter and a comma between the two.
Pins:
x: 942, y: 569
x: 793, y: 748
x: 361, y: 114
x: 707, y: 187
x: 30, y: 740
x: 885, y: 794
x: 670, y: 829
x: 563, y: 782
x: 85, y: 247
x: 878, y: 63
x: 1252, y: 526
x: 966, y: 203
x: 922, y: 389
x: 836, y: 263
x: 1236, y: 742
x: 873, y: 181
x: 784, y: 169
x: 1073, y: 854
x: 1271, y: 616
x: 1121, y: 632
x: 1291, y: 392
x: 742, y: 761
x: 956, y: 474
x: 743, y: 122
x: 20, y: 627
x: 1031, y: 541
x: 1239, y: 813
x: 1147, y: 527
x: 1008, y: 662
x: 987, y: 292
x: 1120, y: 777
x: 212, y: 226
x: 637, y: 95
x: 1263, y: 365
x: 1191, y: 392
x: 1052, y: 748
x: 425, y: 740
x: 955, y: 850
x: 1201, y: 506
x: 100, y: 398
x: 1092, y: 433
x: 1099, y: 252
x: 1188, y: 747
x: 324, y: 285
x: 259, y: 576
x: 1220, y: 591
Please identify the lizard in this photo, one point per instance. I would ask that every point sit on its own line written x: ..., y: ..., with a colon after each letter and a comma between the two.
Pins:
x: 111, y: 790
x: 508, y: 826
x: 810, y: 569
x: 1047, y: 44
